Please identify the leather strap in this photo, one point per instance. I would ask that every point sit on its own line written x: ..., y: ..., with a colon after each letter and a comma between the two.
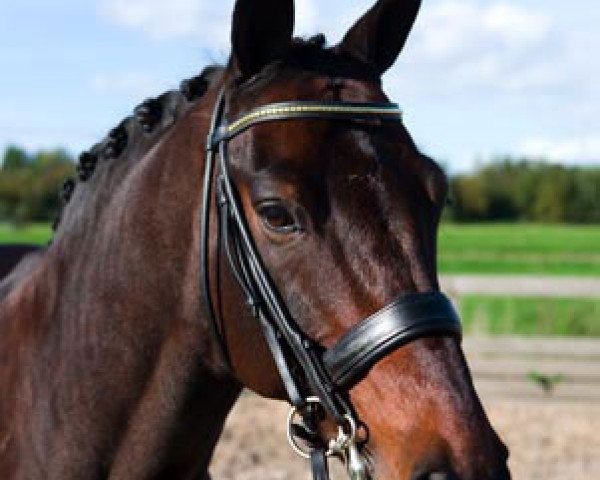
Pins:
x: 318, y: 464
x: 347, y: 111
x: 409, y: 317
x: 302, y: 352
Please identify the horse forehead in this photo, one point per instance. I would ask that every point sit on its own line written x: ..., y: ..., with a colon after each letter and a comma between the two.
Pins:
x: 315, y: 150
x: 307, y: 145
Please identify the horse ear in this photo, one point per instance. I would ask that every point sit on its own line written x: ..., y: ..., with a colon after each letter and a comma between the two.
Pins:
x: 379, y: 36
x: 261, y: 33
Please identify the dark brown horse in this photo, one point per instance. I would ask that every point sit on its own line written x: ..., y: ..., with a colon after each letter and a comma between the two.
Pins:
x: 108, y: 368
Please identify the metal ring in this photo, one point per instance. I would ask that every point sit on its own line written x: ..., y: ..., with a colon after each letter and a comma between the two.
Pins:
x: 335, y: 446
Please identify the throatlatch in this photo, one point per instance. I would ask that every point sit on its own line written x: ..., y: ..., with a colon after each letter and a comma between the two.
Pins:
x: 316, y: 382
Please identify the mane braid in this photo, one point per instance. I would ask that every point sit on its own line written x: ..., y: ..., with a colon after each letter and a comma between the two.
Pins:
x: 149, y: 121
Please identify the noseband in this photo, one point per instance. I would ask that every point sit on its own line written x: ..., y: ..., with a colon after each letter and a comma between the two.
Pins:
x: 311, y: 374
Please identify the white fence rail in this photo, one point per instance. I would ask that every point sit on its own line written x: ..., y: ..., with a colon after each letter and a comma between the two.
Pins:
x: 535, y: 369
x: 521, y: 285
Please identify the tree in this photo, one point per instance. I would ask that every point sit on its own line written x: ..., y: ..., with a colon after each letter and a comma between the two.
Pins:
x: 29, y: 184
x: 15, y: 158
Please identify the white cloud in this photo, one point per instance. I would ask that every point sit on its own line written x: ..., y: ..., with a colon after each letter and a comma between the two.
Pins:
x: 452, y: 30
x: 584, y: 149
x: 207, y: 20
x: 495, y: 46
x: 160, y: 19
x: 306, y: 17
x: 516, y: 25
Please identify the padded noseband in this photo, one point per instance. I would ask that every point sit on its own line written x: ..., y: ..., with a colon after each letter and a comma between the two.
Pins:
x: 410, y: 317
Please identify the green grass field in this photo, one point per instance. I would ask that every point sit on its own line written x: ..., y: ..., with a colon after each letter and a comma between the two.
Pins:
x: 530, y: 316
x: 486, y: 248
x: 520, y: 249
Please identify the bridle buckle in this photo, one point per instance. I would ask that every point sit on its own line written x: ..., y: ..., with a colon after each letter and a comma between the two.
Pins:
x: 342, y: 446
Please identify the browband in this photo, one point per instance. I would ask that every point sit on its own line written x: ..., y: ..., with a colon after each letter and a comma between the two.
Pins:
x: 349, y: 111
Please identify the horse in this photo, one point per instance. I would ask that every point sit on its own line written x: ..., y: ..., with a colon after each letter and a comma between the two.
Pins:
x: 115, y: 365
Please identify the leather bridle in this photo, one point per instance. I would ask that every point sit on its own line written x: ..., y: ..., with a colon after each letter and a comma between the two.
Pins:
x: 310, y: 373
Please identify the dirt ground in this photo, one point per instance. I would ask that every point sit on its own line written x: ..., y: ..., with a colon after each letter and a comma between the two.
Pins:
x: 547, y: 442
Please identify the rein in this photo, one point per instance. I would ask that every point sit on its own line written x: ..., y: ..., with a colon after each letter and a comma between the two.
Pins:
x: 314, y: 378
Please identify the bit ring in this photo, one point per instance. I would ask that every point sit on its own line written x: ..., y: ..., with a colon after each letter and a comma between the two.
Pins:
x: 336, y: 446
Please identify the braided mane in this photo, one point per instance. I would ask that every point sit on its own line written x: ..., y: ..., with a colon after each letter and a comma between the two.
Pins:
x: 136, y: 134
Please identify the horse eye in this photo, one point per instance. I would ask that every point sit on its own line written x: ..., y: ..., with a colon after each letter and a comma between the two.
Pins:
x: 278, y: 218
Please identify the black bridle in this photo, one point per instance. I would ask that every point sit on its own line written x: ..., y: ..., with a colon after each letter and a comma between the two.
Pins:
x: 309, y: 372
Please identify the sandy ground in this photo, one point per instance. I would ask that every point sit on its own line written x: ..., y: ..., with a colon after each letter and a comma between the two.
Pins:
x: 550, y: 441
x: 547, y: 441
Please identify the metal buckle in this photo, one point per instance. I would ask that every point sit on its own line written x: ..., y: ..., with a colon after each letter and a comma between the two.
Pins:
x: 343, y: 446
x: 336, y: 446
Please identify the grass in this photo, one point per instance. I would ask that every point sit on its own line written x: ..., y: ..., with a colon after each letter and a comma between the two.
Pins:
x: 520, y: 249
x: 530, y: 316
x: 37, y: 234
x: 476, y: 249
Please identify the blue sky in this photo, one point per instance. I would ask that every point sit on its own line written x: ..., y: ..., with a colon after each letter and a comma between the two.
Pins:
x: 477, y: 78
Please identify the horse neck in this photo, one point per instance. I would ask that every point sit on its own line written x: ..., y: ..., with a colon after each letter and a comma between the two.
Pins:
x: 103, y: 350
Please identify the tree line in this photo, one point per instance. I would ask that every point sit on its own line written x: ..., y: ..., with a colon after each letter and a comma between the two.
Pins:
x: 508, y: 189
x: 30, y: 184
x: 505, y: 189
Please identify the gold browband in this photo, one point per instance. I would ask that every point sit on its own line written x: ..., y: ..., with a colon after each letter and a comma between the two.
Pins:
x: 307, y: 109
x: 348, y: 111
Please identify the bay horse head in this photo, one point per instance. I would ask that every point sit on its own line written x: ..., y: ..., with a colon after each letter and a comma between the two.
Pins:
x: 316, y: 209
x: 343, y: 210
